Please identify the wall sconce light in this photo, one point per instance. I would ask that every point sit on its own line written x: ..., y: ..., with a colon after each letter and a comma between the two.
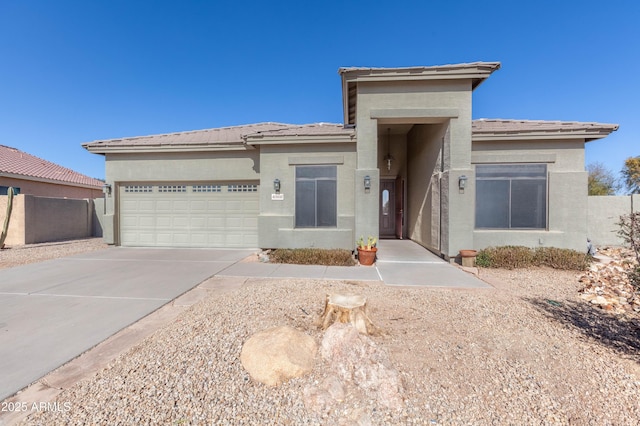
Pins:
x: 388, y: 158
x: 367, y: 183
x: 106, y: 189
x: 462, y: 182
x: 276, y: 186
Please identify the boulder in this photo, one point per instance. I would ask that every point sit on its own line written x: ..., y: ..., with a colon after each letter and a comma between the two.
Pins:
x: 277, y: 354
x: 363, y: 369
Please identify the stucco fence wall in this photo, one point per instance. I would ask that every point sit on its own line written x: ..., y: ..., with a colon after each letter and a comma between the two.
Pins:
x: 603, y: 214
x: 43, y: 219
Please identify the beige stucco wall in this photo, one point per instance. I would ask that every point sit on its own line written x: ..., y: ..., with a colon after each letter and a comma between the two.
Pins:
x: 44, y: 189
x: 276, y: 223
x: 603, y: 215
x: 44, y: 219
x: 566, y: 195
x: 423, y: 190
x: 15, y: 234
x: 417, y: 102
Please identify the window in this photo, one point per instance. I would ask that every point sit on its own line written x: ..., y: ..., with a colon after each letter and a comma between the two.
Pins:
x: 316, y: 196
x: 242, y: 188
x: 206, y: 188
x: 511, y: 196
x: 138, y: 188
x: 172, y: 188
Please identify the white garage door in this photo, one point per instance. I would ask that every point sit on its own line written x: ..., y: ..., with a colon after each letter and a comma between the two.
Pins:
x: 189, y: 215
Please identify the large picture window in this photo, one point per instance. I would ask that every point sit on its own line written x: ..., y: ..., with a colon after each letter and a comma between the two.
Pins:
x: 316, y: 196
x: 511, y: 196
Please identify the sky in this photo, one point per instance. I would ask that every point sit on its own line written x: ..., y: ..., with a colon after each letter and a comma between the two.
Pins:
x: 75, y: 71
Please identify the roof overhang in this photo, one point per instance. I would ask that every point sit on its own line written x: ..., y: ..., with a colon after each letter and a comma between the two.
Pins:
x: 477, y: 72
x: 300, y: 139
x: 496, y: 130
x: 136, y: 149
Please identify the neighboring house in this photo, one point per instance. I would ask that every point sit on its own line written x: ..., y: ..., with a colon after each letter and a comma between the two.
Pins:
x: 409, y: 162
x: 34, y: 176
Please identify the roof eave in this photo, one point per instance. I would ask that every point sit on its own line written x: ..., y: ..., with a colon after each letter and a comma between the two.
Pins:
x: 132, y: 149
x: 586, y: 135
x: 298, y: 139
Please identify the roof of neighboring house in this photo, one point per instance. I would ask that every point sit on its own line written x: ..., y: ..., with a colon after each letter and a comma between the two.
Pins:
x: 18, y: 164
x: 223, y: 138
x: 491, y: 129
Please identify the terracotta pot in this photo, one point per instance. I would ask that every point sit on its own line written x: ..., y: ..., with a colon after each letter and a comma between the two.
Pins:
x: 468, y: 257
x: 367, y: 257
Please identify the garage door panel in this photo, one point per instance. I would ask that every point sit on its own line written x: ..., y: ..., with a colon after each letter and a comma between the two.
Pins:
x: 202, y: 215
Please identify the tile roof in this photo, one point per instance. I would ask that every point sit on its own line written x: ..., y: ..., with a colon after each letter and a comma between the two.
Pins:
x: 501, y: 127
x: 492, y: 66
x: 315, y: 129
x: 16, y: 162
x: 220, y: 137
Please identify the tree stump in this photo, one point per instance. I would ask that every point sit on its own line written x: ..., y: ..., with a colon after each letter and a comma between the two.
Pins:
x: 347, y: 309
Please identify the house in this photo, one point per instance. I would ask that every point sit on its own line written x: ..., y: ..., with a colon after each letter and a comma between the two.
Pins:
x: 31, y: 175
x: 408, y: 162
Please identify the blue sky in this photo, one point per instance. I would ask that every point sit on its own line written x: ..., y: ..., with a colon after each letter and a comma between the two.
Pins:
x: 77, y: 71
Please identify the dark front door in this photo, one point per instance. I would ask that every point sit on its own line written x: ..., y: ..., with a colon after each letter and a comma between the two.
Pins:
x: 387, y: 208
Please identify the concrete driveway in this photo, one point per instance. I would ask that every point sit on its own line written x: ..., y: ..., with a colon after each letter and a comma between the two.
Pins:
x: 51, y: 312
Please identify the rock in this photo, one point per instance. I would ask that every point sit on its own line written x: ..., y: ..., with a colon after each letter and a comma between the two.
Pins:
x: 277, y: 354
x: 355, y: 358
x: 599, y: 300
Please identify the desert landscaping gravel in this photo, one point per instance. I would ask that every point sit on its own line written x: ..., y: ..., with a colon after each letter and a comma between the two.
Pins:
x: 21, y: 255
x: 527, y: 351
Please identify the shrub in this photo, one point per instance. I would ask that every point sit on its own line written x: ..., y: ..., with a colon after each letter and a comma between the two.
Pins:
x: 558, y: 258
x: 313, y: 256
x: 513, y: 257
x: 630, y: 232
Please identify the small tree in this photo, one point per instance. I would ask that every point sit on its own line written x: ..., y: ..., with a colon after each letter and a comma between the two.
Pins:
x: 631, y: 174
x: 630, y: 233
x: 601, y: 180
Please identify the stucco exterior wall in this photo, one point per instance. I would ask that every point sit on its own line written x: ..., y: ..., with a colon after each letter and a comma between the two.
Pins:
x: 221, y: 166
x: 566, y: 192
x: 15, y: 234
x: 604, y: 213
x: 44, y: 189
x: 416, y: 102
x: 44, y: 219
x: 276, y: 222
x: 424, y: 145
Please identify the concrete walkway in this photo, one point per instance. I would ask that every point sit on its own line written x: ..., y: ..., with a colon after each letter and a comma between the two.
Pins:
x: 400, y: 262
x: 403, y: 262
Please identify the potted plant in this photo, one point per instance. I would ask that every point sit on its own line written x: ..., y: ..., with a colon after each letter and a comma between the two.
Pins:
x: 367, y: 251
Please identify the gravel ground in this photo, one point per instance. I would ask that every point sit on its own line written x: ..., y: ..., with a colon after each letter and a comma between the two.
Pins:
x: 31, y: 253
x: 527, y: 351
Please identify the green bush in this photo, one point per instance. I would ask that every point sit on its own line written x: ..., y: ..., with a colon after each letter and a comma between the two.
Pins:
x: 513, y: 257
x: 313, y: 256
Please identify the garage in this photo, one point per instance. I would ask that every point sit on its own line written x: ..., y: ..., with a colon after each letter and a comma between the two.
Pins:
x: 199, y: 214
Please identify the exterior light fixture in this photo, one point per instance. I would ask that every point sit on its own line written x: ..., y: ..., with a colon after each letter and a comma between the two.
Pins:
x: 276, y: 186
x: 388, y: 158
x: 106, y: 189
x: 367, y: 183
x: 462, y: 182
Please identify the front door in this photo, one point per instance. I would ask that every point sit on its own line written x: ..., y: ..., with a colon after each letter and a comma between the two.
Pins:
x: 387, y: 208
